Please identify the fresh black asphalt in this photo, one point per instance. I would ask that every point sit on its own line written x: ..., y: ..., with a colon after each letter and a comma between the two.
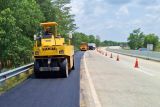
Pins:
x: 53, y: 92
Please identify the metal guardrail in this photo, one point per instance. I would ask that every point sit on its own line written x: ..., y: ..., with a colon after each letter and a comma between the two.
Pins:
x: 149, y: 55
x: 11, y: 73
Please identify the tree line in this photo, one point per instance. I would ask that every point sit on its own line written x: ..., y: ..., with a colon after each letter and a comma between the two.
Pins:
x: 19, y: 21
x: 113, y: 43
x: 79, y: 37
x: 137, y: 39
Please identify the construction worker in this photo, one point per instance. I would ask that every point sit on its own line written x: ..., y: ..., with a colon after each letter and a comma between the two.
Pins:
x: 58, y: 36
x: 47, y: 32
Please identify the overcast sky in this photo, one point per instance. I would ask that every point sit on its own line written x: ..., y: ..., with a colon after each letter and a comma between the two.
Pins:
x: 115, y: 19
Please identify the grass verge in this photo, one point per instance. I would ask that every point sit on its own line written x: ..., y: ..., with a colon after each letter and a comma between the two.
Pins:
x: 12, y: 82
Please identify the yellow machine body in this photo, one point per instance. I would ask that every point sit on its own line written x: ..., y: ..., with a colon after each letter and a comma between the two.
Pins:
x: 52, y: 41
x: 51, y: 52
x: 84, y: 46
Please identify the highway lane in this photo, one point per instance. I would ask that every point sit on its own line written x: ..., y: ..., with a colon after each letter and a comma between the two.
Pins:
x: 119, y: 84
x: 59, y: 92
x: 144, y: 54
x: 148, y: 66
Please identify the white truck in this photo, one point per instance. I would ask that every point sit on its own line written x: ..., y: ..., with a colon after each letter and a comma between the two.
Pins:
x: 91, y: 46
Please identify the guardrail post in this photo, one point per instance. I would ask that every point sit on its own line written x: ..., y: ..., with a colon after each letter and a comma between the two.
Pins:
x: 5, y: 86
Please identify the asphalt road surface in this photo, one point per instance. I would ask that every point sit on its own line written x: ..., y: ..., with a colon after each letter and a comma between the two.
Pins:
x: 119, y: 84
x: 59, y: 92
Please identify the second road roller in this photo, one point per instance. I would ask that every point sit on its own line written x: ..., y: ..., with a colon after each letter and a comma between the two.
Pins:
x: 84, y: 46
x: 52, y: 55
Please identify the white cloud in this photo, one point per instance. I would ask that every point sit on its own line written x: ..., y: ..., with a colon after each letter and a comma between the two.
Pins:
x: 136, y: 23
x: 77, y: 7
x: 99, y: 0
x: 153, y: 13
x: 108, y: 18
x: 153, y: 9
x: 123, y: 10
x: 118, y: 2
x: 147, y: 2
x: 109, y: 27
x: 99, y: 10
x: 151, y: 17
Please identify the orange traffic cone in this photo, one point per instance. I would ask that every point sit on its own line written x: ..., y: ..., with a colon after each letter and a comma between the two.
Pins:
x: 106, y: 54
x: 117, y: 57
x: 102, y: 53
x: 111, y: 56
x: 136, y: 63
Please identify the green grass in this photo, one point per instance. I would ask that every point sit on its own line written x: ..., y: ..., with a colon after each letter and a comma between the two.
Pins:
x: 12, y: 82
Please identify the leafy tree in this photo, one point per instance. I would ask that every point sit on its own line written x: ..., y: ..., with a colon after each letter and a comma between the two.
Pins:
x: 113, y: 43
x: 18, y: 20
x: 47, y: 9
x: 28, y: 16
x: 9, y: 32
x: 158, y: 47
x: 136, y: 39
x: 78, y: 38
x: 151, y: 39
x: 59, y: 12
x: 63, y: 17
x: 97, y: 41
x: 92, y: 39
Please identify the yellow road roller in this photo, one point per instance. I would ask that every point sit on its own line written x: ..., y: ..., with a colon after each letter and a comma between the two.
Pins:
x: 51, y: 54
x: 84, y: 46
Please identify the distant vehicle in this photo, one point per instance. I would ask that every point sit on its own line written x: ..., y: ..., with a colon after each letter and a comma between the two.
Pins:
x: 84, y: 46
x: 91, y: 46
x: 142, y: 49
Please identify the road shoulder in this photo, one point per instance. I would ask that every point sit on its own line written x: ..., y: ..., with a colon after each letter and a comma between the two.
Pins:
x: 88, y: 97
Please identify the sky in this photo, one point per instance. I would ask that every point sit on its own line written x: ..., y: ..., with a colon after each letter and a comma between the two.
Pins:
x: 116, y: 19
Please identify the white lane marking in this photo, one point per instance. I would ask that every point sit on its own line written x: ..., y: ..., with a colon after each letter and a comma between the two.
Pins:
x: 141, y: 69
x: 144, y: 71
x: 93, y: 91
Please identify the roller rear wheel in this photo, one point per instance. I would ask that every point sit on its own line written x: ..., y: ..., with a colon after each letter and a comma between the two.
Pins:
x: 36, y: 70
x: 73, y: 64
x: 64, y: 69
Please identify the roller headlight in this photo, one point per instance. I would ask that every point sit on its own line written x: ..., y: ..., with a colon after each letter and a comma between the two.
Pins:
x: 36, y: 52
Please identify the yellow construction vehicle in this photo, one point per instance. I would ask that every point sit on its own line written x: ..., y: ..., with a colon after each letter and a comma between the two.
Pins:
x: 84, y: 46
x: 51, y: 53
